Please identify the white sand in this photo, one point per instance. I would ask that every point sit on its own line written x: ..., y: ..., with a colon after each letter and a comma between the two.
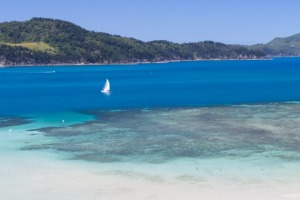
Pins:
x: 29, y: 175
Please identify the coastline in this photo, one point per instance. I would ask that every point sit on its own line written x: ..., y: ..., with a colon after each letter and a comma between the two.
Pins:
x: 51, y: 178
x: 128, y: 63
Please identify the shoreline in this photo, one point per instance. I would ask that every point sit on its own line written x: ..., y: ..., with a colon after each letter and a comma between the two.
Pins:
x: 53, y: 178
x: 129, y: 63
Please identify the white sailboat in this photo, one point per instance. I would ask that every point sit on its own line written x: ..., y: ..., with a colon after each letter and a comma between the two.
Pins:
x: 106, y: 87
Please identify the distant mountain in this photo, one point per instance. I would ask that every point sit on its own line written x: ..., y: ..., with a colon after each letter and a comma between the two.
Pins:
x: 285, y: 46
x: 48, y: 41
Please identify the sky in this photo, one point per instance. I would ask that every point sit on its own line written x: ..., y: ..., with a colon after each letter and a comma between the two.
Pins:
x: 228, y: 21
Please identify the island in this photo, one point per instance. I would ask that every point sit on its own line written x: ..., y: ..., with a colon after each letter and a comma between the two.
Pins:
x: 43, y: 41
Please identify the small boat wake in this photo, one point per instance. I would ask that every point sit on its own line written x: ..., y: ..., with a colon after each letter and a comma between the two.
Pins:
x: 43, y: 72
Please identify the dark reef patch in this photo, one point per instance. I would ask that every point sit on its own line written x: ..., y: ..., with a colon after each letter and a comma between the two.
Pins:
x: 7, y: 121
x: 160, y: 135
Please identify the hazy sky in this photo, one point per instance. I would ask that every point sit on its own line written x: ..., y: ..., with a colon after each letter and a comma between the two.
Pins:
x: 228, y: 21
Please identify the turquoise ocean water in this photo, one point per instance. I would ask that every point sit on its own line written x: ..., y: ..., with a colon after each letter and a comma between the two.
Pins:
x: 181, y: 121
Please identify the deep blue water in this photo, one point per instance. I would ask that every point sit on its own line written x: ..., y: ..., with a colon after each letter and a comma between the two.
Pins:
x: 178, y: 84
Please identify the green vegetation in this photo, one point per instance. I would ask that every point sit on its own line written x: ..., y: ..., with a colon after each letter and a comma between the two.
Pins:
x: 288, y: 46
x: 36, y: 46
x: 48, y: 41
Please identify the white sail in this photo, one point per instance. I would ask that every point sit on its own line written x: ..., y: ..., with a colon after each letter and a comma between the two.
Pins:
x: 106, y: 88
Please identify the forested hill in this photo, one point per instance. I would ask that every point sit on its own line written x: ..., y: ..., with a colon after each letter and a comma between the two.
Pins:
x: 281, y: 46
x: 48, y: 41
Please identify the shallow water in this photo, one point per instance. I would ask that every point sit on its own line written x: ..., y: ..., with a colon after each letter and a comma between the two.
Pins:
x: 246, y: 137
x: 161, y: 135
